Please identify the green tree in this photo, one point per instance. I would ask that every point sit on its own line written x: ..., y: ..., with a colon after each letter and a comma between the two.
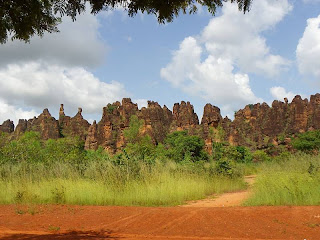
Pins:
x: 307, y: 141
x: 181, y: 146
x: 261, y: 156
x: 132, y: 134
x: 26, y: 149
x: 21, y: 19
x: 138, y: 145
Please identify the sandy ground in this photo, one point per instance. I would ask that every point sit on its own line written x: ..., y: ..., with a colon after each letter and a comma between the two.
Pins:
x: 201, y: 221
x: 87, y: 222
x: 225, y: 200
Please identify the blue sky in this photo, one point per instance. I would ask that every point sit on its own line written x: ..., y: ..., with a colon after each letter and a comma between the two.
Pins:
x: 229, y: 60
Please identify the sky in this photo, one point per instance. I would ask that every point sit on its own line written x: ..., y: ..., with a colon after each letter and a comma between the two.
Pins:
x: 229, y: 60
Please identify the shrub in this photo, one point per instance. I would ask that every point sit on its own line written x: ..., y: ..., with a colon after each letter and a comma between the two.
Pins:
x: 110, y: 108
x: 26, y: 149
x: 307, y: 141
x: 217, y: 150
x: 139, y: 146
x: 29, y: 148
x: 260, y: 156
x: 245, y: 154
x: 238, y: 153
x: 227, y: 168
x: 133, y: 133
x: 182, y: 146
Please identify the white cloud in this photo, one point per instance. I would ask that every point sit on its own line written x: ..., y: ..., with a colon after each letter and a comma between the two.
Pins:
x: 237, y: 36
x: 141, y: 102
x: 54, y: 69
x: 212, y: 79
x: 13, y: 113
x: 279, y: 93
x: 232, y: 45
x: 308, y: 49
x: 42, y: 85
x: 77, y: 44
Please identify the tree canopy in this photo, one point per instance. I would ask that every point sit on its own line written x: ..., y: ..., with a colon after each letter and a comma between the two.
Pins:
x: 21, y: 19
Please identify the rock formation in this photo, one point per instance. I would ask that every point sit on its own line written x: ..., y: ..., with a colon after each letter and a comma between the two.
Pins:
x: 73, y: 127
x: 21, y: 127
x: 7, y: 127
x: 157, y: 121
x: 45, y: 124
x: 257, y: 126
x: 184, y: 117
x: 92, y: 137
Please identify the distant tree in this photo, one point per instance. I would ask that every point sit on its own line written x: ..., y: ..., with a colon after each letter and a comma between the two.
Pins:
x: 133, y: 134
x: 307, y: 142
x: 181, y: 146
x: 21, y: 19
x: 138, y: 145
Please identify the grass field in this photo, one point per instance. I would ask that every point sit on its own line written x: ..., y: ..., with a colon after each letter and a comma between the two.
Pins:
x: 295, y: 181
x: 160, y: 185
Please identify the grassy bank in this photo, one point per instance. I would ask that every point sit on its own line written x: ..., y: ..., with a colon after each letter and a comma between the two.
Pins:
x: 162, y: 184
x: 294, y: 181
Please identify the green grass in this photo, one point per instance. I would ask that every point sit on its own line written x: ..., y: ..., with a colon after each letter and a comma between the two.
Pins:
x: 295, y: 181
x: 160, y: 185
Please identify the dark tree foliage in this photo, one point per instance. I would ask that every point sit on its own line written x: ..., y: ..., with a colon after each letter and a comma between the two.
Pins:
x: 21, y: 19
x: 181, y: 146
x: 307, y: 142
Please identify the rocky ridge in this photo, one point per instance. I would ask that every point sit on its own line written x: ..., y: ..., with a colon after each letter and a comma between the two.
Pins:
x: 256, y: 126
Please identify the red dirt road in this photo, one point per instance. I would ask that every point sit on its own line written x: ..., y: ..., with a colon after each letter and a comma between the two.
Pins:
x: 178, y: 223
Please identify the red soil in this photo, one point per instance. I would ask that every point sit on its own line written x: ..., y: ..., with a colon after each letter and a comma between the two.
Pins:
x: 231, y: 199
x: 95, y: 222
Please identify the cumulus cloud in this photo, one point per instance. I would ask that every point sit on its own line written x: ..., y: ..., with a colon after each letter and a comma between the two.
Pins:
x: 77, y: 44
x: 279, y: 93
x: 214, y: 65
x: 237, y: 37
x: 212, y: 79
x: 308, y: 49
x: 41, y: 85
x: 55, y: 69
x: 13, y: 113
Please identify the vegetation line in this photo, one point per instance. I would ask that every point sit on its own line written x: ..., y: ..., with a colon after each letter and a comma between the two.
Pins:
x: 170, y: 173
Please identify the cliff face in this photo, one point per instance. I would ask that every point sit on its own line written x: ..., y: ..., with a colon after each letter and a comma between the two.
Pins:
x: 260, y: 125
x: 45, y: 124
x: 256, y: 126
x: 210, y: 122
x: 73, y: 126
x: 7, y: 127
x: 157, y: 121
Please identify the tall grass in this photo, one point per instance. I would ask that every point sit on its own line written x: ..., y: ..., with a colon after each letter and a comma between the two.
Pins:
x: 294, y: 181
x: 103, y: 183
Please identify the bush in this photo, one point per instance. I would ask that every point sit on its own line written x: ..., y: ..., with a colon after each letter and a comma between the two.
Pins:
x: 26, y: 149
x: 30, y: 148
x: 133, y: 133
x: 260, y: 156
x: 181, y: 146
x: 227, y: 168
x: 239, y: 153
x: 307, y: 141
x: 138, y: 145
x: 245, y: 154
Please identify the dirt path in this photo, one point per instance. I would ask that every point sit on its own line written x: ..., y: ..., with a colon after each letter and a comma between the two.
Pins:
x: 200, y: 220
x: 88, y: 222
x: 227, y: 199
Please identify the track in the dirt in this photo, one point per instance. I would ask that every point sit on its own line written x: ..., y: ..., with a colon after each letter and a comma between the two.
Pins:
x: 231, y: 199
x: 87, y: 222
